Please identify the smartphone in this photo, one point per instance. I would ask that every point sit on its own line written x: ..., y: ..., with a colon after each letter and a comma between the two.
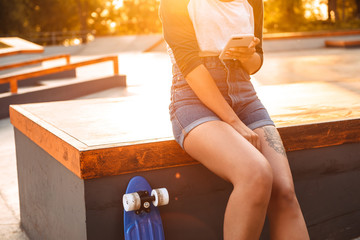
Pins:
x: 238, y: 40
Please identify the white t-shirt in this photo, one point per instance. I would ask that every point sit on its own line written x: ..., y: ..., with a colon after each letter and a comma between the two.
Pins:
x: 215, y: 22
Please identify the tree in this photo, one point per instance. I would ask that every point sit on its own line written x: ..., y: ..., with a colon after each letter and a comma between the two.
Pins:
x: 343, y: 10
x: 54, y: 15
x: 13, y: 17
x: 332, y: 10
x: 357, y: 13
x: 59, y: 17
x: 282, y: 15
x: 85, y: 8
x: 133, y: 17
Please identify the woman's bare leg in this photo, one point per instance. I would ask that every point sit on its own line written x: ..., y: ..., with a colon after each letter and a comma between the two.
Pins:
x: 285, y: 217
x: 225, y: 152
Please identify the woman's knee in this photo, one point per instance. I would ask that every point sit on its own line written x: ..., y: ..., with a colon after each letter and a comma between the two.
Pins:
x: 283, y: 195
x: 257, y: 182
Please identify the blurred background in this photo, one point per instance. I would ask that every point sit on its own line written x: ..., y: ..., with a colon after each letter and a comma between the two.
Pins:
x: 72, y: 22
x: 299, y: 72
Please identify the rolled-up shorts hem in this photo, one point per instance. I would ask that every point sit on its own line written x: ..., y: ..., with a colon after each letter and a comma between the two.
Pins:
x: 260, y: 123
x: 191, y: 126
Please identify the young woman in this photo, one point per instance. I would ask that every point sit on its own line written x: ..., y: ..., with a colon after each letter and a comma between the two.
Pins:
x: 218, y: 119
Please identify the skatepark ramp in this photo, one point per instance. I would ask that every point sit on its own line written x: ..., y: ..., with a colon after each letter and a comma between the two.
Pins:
x: 120, y: 44
x: 56, y: 81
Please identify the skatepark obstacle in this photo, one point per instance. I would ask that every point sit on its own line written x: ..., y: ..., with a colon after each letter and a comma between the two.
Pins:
x: 75, y: 159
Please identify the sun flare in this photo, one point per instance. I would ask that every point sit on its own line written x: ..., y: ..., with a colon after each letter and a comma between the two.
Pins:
x: 317, y: 9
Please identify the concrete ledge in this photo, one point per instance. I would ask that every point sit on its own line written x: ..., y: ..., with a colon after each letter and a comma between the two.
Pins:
x: 18, y: 45
x: 65, y: 90
x: 131, y: 152
x: 296, y: 35
x: 13, y: 78
x: 56, y: 204
x: 343, y: 43
x: 75, y: 159
x: 5, y: 87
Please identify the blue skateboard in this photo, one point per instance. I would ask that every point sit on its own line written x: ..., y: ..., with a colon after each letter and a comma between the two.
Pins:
x: 142, y: 220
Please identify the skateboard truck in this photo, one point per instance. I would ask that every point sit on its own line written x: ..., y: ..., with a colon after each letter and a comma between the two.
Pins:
x: 141, y: 201
x: 145, y: 202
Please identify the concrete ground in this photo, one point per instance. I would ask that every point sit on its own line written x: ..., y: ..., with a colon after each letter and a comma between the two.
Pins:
x: 149, y: 75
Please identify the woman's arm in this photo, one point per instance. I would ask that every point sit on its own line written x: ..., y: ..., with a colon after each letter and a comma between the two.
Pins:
x: 248, y: 56
x: 206, y: 90
x: 179, y: 34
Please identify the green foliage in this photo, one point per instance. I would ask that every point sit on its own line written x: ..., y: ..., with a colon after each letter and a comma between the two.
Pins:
x: 140, y: 16
x: 289, y: 16
x: 134, y: 17
x: 12, y: 16
x: 53, y: 15
x: 26, y: 18
x: 283, y: 15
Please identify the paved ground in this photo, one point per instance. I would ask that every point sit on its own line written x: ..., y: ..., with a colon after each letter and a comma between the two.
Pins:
x: 291, y: 69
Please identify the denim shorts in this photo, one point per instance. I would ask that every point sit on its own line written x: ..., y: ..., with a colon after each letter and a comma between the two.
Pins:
x: 188, y: 112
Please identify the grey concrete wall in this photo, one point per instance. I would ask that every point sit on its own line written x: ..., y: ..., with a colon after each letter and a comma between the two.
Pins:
x: 51, y: 197
x: 54, y: 202
x: 326, y: 181
x: 197, y: 203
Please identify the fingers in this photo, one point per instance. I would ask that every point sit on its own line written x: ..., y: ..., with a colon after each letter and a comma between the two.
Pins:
x: 243, y: 53
x: 252, y: 137
x: 255, y: 141
x: 255, y: 42
x: 258, y: 143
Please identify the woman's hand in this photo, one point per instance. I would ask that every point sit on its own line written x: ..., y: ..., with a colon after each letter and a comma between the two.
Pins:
x: 247, y: 133
x: 204, y: 86
x: 248, y: 56
x: 243, y: 53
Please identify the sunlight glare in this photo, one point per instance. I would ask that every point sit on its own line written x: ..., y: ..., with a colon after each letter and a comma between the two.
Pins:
x: 90, y: 37
x: 317, y: 9
x: 104, y: 13
x: 76, y: 41
x: 118, y: 4
x: 113, y: 24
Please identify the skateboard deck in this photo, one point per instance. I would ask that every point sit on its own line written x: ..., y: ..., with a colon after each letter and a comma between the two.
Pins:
x: 142, y: 220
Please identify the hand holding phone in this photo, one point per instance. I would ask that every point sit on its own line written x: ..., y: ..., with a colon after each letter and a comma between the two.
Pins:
x: 239, y: 40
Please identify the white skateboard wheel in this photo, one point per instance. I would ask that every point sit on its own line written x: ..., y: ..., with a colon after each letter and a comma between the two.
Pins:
x: 131, y: 202
x: 161, y: 196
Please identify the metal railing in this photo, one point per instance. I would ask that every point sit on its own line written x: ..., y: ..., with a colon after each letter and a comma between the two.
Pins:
x: 59, y: 38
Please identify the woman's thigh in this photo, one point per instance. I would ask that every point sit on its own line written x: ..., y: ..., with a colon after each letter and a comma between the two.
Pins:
x: 225, y: 152
x: 273, y: 150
